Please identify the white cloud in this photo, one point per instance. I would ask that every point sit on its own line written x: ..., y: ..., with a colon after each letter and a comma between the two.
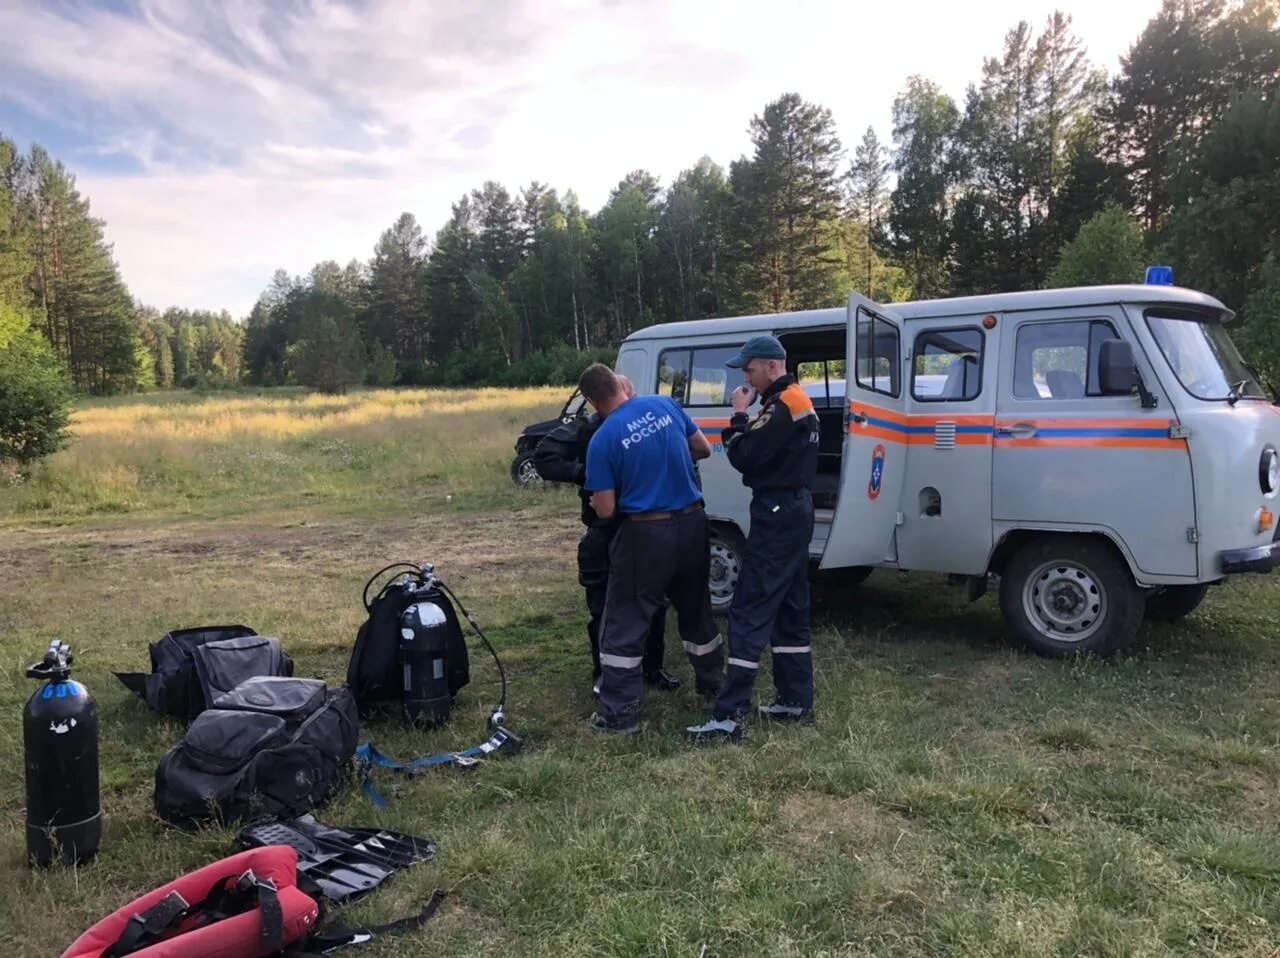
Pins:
x: 276, y: 136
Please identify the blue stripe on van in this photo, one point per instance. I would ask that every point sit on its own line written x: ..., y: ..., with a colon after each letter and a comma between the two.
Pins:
x: 1100, y: 432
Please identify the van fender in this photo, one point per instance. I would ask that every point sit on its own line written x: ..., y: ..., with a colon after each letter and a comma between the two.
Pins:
x: 1009, y: 538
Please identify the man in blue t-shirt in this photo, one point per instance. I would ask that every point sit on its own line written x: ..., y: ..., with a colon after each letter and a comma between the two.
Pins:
x: 640, y: 465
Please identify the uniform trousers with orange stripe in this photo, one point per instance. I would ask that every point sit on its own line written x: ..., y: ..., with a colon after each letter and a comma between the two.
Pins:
x: 771, y: 605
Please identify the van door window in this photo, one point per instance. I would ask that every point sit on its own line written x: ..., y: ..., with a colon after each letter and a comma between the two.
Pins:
x: 879, y: 349
x: 699, y: 376
x: 947, y: 365
x: 1059, y: 360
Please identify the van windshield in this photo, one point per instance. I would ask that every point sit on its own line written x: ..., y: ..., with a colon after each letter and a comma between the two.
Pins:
x: 1202, y: 356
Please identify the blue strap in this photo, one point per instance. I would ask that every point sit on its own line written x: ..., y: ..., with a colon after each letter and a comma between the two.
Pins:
x: 368, y: 757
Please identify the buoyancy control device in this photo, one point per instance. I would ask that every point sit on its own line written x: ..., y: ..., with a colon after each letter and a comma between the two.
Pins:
x: 60, y: 747
x: 254, y: 904
x: 410, y: 651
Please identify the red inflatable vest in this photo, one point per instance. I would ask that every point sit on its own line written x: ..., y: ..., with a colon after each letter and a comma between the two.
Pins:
x: 245, y: 906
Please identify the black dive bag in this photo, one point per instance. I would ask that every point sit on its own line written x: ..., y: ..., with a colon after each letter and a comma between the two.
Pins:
x: 271, y: 747
x: 190, y: 668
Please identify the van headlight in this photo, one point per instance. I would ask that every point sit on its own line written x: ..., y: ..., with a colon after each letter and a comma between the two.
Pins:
x: 1269, y: 471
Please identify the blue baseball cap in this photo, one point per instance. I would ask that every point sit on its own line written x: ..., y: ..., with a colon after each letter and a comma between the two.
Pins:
x: 757, y: 347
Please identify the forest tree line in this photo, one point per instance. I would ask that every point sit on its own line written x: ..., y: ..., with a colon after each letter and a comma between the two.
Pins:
x: 1048, y: 173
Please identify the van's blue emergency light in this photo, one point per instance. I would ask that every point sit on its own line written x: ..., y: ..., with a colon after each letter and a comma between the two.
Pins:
x: 1159, y: 275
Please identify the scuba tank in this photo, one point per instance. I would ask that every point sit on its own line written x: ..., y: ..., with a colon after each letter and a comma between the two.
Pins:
x: 427, y: 635
x: 60, y: 743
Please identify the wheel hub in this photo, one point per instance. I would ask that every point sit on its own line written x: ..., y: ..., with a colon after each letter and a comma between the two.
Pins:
x: 1065, y: 601
x: 723, y: 573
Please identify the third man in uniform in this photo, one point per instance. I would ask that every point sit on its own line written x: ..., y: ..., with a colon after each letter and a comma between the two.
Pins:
x: 777, y: 454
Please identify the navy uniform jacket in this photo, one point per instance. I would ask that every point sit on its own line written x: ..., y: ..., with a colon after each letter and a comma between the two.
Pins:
x: 562, y: 457
x: 779, y: 449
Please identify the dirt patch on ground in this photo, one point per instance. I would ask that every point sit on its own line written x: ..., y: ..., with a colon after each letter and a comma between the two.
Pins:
x: 491, y: 545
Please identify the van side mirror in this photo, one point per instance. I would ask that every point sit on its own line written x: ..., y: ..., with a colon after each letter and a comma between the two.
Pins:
x: 1117, y: 371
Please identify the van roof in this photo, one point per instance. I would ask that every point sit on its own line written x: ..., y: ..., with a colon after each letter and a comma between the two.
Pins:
x: 930, y: 308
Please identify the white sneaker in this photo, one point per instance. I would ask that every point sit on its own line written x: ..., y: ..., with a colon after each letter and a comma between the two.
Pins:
x: 715, y: 730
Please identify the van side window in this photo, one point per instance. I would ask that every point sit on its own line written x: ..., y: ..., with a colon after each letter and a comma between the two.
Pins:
x: 1059, y: 360
x: 947, y: 365
x: 673, y: 374
x: 878, y: 355
x: 823, y: 380
x: 699, y: 376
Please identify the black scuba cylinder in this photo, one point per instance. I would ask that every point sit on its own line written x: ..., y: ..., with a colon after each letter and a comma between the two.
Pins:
x: 60, y: 744
x: 425, y: 632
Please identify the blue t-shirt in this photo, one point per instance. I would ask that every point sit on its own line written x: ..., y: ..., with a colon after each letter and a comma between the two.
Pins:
x: 642, y: 452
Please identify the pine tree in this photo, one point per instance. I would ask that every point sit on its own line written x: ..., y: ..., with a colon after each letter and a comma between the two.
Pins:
x: 1192, y: 60
x: 786, y: 198
x: 1004, y: 164
x: 691, y: 235
x: 87, y: 311
x: 626, y: 253
x: 868, y: 186
x: 329, y: 356
x: 925, y: 122
x: 452, y: 302
x: 397, y: 311
x: 1065, y: 94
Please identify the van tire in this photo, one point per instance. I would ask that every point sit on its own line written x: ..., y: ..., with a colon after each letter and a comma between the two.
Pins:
x: 1063, y: 594
x: 1175, y: 602
x: 728, y: 548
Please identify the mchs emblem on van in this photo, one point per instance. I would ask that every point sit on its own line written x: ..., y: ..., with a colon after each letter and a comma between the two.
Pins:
x: 877, y: 472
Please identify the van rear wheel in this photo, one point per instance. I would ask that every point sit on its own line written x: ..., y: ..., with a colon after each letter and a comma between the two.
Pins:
x: 727, y: 551
x: 1066, y: 594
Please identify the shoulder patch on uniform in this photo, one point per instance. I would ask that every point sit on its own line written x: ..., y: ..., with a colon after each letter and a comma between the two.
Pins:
x: 797, y: 401
x: 763, y: 418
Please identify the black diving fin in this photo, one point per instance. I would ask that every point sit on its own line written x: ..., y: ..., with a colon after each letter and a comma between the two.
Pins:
x: 344, y: 862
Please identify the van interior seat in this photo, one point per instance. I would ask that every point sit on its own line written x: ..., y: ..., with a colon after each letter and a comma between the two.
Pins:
x: 1064, y: 384
x: 957, y: 376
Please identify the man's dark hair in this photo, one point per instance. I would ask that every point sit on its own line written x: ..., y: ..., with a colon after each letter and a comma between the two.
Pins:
x: 598, y: 383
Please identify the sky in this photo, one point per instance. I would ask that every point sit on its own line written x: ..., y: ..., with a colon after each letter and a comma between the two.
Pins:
x: 222, y: 141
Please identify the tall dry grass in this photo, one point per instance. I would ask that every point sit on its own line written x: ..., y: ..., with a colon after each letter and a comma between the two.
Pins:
x: 227, y: 453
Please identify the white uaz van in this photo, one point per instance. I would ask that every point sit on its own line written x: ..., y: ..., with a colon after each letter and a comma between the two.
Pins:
x: 1103, y: 451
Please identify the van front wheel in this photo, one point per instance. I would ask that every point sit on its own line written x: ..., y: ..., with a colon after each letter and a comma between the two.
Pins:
x: 1066, y: 594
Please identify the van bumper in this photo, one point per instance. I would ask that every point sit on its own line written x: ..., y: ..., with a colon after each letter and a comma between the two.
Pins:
x: 1258, y: 559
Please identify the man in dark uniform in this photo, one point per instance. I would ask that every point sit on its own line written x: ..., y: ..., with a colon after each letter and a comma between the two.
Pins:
x: 562, y: 457
x: 640, y: 465
x: 777, y: 454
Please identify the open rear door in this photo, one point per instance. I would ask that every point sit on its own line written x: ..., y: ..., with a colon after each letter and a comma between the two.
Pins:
x: 876, y: 439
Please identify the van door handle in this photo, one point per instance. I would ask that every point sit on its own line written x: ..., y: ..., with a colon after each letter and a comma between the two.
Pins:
x: 1019, y: 430
x: 857, y: 417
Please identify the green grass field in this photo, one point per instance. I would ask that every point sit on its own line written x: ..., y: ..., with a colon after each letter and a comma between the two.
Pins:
x: 957, y: 797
